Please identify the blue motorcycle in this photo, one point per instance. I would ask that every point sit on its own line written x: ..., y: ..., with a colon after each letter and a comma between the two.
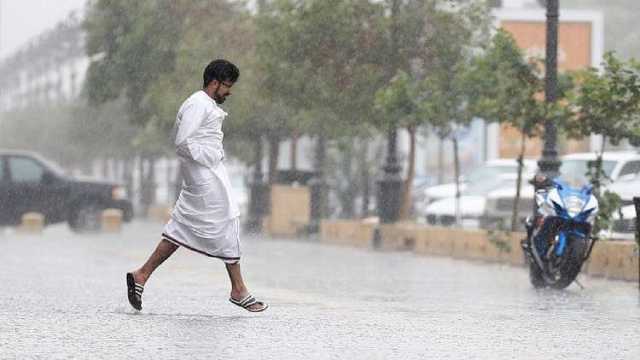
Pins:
x: 559, y: 235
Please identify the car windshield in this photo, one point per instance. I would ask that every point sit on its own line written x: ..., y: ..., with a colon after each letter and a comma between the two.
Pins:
x: 574, y: 171
x: 483, y: 187
x: 489, y: 172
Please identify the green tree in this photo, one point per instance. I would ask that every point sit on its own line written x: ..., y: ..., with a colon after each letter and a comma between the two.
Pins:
x: 511, y: 93
x: 607, y: 103
x: 132, y: 44
x: 321, y: 59
x: 399, y: 101
x: 430, y: 48
x: 151, y: 54
x: 230, y: 36
x: 447, y: 90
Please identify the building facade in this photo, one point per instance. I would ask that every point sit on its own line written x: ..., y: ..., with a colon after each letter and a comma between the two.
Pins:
x: 50, y: 68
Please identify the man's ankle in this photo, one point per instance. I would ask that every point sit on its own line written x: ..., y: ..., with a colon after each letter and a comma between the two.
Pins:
x: 239, y: 292
x: 139, y: 277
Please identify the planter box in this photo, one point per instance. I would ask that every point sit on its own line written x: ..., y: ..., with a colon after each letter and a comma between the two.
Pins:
x: 611, y: 259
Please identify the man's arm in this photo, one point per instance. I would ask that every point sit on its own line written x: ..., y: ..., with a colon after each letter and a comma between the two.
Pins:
x: 191, y: 119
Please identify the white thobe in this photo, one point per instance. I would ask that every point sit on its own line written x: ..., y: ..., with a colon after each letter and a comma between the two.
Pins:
x: 206, y: 216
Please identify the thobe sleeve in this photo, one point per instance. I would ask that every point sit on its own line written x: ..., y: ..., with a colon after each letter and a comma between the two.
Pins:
x: 189, y: 148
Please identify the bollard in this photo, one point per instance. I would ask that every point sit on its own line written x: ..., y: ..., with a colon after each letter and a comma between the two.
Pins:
x: 160, y: 213
x: 636, y: 203
x: 111, y: 220
x: 32, y: 222
x: 376, y: 242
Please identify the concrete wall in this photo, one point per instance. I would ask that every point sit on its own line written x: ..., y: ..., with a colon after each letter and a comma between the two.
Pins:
x: 610, y: 259
x: 347, y: 232
x: 290, y: 210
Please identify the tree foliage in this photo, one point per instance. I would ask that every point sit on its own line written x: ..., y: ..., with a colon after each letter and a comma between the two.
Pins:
x: 607, y: 103
x: 152, y: 53
x: 322, y: 58
x: 510, y: 91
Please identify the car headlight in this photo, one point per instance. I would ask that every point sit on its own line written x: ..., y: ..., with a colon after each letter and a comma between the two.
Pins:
x: 118, y: 193
x: 574, y: 205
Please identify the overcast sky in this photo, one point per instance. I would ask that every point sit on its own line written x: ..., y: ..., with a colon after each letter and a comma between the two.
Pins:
x: 22, y: 20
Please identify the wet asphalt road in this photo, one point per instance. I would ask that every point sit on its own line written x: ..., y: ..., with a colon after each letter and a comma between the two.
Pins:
x: 63, y: 296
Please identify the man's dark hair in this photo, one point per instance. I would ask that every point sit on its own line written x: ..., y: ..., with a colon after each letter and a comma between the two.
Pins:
x: 221, y: 70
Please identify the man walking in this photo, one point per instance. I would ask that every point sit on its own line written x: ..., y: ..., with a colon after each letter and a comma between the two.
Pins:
x: 205, y: 218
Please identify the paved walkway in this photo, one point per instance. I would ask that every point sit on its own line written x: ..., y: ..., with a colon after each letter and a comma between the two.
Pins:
x: 63, y: 296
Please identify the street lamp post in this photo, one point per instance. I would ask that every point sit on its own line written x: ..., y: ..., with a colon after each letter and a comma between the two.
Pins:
x: 549, y: 164
x: 389, y: 193
x: 318, y: 185
x: 390, y: 186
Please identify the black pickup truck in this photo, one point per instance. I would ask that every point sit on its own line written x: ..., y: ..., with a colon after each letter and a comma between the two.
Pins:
x: 28, y: 182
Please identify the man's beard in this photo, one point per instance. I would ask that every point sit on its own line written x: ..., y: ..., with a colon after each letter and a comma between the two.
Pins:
x: 219, y: 99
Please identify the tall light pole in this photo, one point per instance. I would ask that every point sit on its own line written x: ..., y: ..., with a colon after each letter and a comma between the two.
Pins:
x: 549, y: 164
x: 390, y: 186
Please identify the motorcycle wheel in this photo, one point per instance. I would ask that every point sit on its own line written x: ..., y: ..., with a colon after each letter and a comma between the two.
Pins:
x: 572, y: 265
x: 535, y: 276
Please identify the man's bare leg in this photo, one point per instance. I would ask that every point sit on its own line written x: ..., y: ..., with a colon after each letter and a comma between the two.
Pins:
x: 238, y: 288
x: 160, y: 254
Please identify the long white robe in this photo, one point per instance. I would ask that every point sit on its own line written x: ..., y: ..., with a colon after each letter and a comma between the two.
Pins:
x: 206, y: 216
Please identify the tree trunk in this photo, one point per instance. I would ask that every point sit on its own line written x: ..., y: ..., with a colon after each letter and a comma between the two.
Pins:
x: 405, y: 209
x: 123, y: 170
x: 105, y: 168
x: 151, y: 181
x: 516, y: 201
x: 147, y: 184
x: 141, y: 185
x: 440, y: 160
x: 128, y: 176
x: 366, y: 178
x: 259, y: 201
x: 274, y: 154
x: 350, y: 192
x: 456, y: 175
x: 294, y: 151
x: 319, y: 183
x: 598, y: 168
x: 257, y: 169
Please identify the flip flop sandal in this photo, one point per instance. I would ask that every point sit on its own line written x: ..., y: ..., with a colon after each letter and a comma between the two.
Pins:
x: 247, y: 301
x: 134, y: 292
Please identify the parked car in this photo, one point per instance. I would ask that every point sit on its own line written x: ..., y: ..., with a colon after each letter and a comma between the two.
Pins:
x: 615, y: 165
x: 418, y: 195
x: 472, y: 203
x: 624, y: 224
x: 491, y: 170
x: 498, y: 210
x: 30, y: 183
x: 627, y: 187
x: 624, y: 221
